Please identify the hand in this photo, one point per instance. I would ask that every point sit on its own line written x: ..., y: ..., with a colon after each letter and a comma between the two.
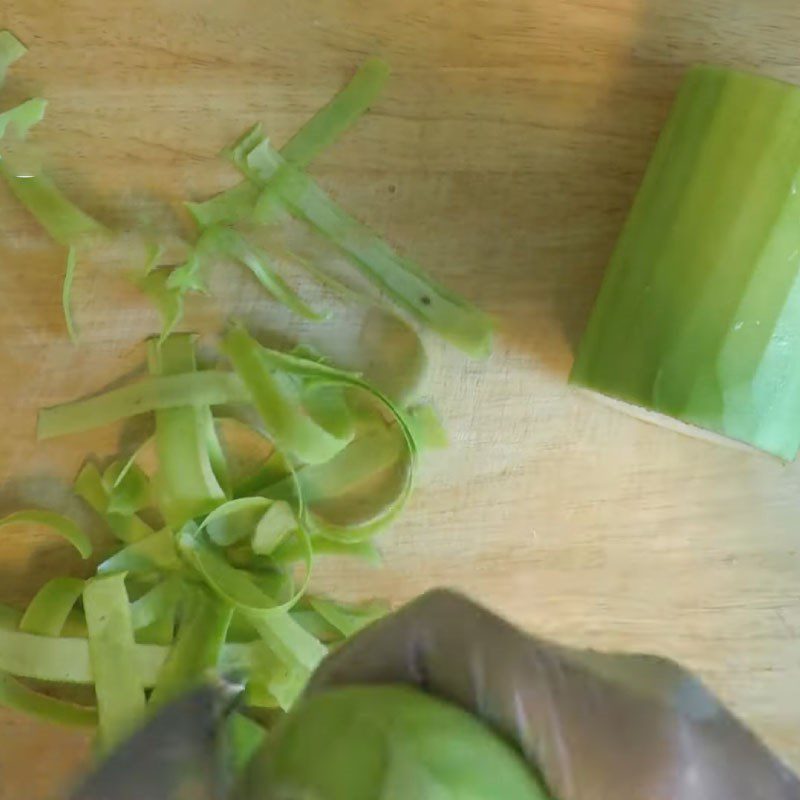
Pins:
x: 597, y: 726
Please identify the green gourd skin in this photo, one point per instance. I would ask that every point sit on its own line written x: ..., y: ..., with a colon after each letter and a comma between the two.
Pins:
x: 386, y: 743
x: 698, y: 317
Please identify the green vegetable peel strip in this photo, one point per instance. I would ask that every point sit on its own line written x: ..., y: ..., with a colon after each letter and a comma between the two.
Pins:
x: 285, y: 486
x: 244, y: 738
x: 300, y: 651
x: 168, y: 300
x: 26, y: 115
x: 74, y: 625
x: 66, y: 660
x: 235, y: 519
x: 49, y: 609
x: 197, y: 649
x: 153, y: 614
x: 311, y: 484
x: 89, y: 485
x: 275, y: 683
x: 288, y: 552
x: 367, y: 455
x: 295, y: 487
x: 427, y: 427
x: 11, y: 49
x: 329, y: 408
x: 117, y: 680
x: 16, y: 695
x: 313, y: 622
x: 150, y: 556
x: 237, y: 586
x: 344, y: 291
x: 237, y: 203
x: 322, y: 130
x: 128, y: 488
x: 151, y: 394
x: 63, y: 220
x: 326, y: 375
x: 291, y: 430
x: 23, y: 117
x: 273, y: 528
x: 330, y: 122
x: 288, y: 639
x: 444, y: 312
x: 46, y: 658
x: 66, y: 292
x: 58, y: 523
x: 186, y: 482
x: 348, y: 619
x: 233, y: 245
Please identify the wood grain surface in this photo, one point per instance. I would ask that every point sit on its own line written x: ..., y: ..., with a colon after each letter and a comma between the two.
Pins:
x: 504, y: 155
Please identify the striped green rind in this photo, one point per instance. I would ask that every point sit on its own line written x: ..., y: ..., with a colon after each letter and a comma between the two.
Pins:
x: 698, y: 317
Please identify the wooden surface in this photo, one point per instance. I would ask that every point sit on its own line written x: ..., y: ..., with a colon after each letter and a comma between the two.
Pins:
x: 504, y: 154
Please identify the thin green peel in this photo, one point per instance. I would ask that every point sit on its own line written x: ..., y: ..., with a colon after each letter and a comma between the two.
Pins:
x: 58, y: 523
x: 117, y: 680
x: 49, y: 609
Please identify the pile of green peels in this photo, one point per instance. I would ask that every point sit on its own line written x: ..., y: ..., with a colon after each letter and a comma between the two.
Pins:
x: 211, y: 570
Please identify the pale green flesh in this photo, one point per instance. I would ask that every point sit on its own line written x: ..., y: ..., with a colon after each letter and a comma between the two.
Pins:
x: 698, y: 316
x: 388, y: 742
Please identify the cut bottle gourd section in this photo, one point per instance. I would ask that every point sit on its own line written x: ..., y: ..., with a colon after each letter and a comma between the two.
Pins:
x: 698, y: 317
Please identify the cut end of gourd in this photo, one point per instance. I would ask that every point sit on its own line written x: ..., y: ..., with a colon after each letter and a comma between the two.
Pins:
x: 670, y: 423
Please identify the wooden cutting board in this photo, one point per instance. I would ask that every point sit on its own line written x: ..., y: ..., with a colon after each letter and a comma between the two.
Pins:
x: 504, y: 155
